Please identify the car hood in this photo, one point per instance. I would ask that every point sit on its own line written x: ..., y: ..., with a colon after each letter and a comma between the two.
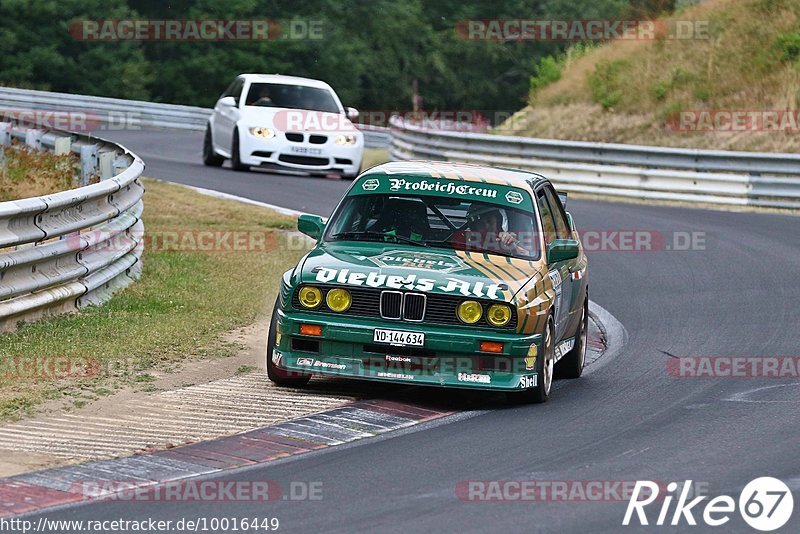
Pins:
x: 430, y: 270
x: 297, y: 120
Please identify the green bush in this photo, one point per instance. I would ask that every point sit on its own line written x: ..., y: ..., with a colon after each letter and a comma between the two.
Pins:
x: 607, y: 80
x: 681, y: 76
x: 702, y: 93
x: 789, y: 46
x: 545, y: 72
x: 548, y: 69
x: 671, y: 111
x: 660, y: 90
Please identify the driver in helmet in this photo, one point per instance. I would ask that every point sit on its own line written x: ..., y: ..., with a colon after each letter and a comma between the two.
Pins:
x: 487, y: 229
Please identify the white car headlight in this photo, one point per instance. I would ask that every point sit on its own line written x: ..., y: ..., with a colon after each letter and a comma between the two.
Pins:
x: 345, y: 139
x: 263, y: 133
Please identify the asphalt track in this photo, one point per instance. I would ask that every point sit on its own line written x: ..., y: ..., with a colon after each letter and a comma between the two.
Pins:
x: 629, y: 420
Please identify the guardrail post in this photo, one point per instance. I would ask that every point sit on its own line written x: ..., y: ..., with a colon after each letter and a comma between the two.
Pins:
x: 62, y: 145
x: 89, y: 163
x: 106, y: 164
x: 33, y: 138
x: 5, y: 133
x: 120, y: 164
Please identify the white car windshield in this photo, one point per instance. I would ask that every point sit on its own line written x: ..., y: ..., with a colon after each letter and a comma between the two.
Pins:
x: 278, y: 95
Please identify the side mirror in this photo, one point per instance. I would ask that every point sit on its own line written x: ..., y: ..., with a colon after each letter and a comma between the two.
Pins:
x: 352, y: 113
x: 228, y: 101
x: 311, y: 225
x: 562, y: 250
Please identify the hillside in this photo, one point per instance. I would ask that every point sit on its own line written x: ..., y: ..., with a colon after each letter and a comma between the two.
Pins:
x: 640, y: 91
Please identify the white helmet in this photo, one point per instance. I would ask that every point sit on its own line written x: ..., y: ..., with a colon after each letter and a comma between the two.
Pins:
x: 478, y: 210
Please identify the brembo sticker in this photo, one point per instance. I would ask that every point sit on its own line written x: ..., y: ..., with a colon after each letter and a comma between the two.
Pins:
x: 411, y: 282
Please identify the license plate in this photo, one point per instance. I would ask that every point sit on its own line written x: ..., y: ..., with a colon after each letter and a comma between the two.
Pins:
x: 399, y: 338
x: 306, y: 150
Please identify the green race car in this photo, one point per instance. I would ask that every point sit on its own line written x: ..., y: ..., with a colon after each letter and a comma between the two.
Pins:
x: 441, y: 274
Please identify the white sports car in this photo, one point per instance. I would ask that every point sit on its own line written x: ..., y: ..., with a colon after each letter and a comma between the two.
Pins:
x: 275, y: 121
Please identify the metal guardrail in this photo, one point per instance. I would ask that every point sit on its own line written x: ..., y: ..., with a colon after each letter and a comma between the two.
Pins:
x: 635, y: 171
x: 375, y: 136
x: 113, y: 112
x: 117, y: 112
x: 632, y: 171
x: 69, y: 250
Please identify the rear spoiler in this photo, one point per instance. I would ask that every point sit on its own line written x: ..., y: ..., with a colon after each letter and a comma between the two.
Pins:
x: 562, y: 196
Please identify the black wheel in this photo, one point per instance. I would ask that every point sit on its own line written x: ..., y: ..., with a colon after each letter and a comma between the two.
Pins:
x: 349, y: 176
x: 544, y: 368
x: 282, y: 377
x: 210, y: 157
x: 571, y: 365
x: 236, y: 162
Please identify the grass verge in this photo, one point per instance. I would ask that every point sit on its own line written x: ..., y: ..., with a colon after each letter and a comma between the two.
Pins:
x: 185, y: 302
x: 25, y: 173
x: 744, y: 56
x: 374, y: 156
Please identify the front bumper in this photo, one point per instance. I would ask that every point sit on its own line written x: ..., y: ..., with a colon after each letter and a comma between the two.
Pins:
x: 451, y: 356
x: 303, y: 155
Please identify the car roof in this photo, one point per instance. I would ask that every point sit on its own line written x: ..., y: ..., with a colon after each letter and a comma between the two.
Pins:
x: 459, y: 171
x: 280, y: 78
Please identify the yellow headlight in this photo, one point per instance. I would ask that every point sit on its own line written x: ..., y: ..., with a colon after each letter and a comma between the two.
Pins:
x: 338, y: 299
x: 470, y: 311
x: 348, y: 139
x: 264, y: 133
x: 498, y: 314
x: 310, y: 296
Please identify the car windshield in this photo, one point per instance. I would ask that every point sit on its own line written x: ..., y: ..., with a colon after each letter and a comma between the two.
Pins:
x: 434, y: 221
x: 278, y: 95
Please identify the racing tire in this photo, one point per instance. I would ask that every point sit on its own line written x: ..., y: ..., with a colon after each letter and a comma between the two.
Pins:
x: 281, y: 377
x: 236, y: 162
x: 544, y: 369
x: 210, y: 158
x: 571, y: 365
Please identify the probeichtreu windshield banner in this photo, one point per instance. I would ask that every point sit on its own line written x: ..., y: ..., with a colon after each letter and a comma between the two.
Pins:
x: 503, y: 195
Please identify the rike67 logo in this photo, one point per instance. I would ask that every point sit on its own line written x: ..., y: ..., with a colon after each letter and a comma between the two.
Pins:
x: 765, y: 504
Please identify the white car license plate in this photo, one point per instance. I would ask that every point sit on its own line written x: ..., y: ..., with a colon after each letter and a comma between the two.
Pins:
x: 306, y: 150
x: 399, y: 338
